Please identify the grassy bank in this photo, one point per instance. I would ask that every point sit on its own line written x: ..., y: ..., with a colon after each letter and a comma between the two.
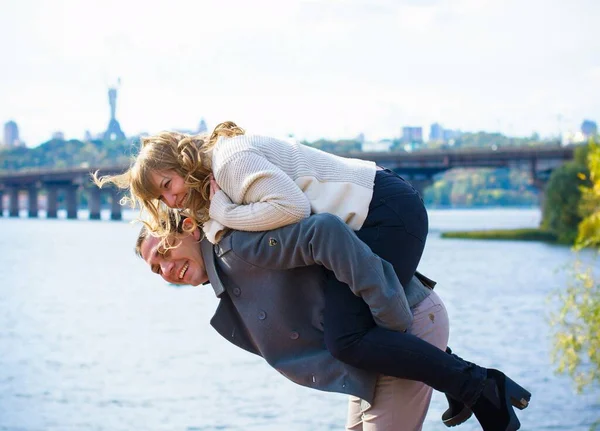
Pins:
x: 504, y: 234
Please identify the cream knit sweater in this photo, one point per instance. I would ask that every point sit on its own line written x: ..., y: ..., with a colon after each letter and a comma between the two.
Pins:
x: 269, y: 183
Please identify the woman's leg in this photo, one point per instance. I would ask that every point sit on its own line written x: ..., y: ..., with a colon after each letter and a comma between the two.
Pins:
x: 352, y: 337
x: 396, y: 230
x: 397, y: 225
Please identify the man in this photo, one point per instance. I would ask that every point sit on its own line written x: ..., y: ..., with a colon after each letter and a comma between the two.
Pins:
x: 271, y: 285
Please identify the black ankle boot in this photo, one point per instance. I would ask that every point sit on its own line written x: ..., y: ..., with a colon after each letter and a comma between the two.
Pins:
x: 494, y: 407
x: 456, y: 413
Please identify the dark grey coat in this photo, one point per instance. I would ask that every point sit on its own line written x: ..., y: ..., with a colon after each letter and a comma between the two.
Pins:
x: 270, y: 286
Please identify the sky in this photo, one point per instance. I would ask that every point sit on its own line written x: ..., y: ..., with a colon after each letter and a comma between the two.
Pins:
x: 312, y: 68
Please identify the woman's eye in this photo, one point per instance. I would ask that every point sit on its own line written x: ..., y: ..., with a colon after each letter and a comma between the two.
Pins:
x: 167, y: 184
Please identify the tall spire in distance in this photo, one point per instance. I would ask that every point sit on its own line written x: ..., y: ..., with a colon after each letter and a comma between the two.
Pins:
x: 113, y: 132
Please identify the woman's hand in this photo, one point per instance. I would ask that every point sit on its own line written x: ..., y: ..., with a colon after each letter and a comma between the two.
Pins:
x: 214, y: 187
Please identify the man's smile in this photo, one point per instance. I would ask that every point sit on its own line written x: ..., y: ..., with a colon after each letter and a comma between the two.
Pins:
x: 184, y: 270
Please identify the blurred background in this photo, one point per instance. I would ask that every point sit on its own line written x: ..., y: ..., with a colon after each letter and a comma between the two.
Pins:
x: 488, y: 107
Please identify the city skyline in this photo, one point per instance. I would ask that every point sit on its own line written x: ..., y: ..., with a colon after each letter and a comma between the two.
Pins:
x: 407, y: 134
x: 312, y: 68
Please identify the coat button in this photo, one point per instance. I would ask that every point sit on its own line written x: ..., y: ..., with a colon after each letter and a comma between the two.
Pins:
x: 237, y: 291
x: 294, y: 335
x: 262, y: 315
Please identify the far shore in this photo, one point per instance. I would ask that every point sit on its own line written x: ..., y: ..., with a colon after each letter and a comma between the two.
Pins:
x: 527, y: 234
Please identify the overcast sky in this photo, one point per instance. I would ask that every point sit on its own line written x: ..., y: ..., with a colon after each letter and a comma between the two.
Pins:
x: 314, y: 68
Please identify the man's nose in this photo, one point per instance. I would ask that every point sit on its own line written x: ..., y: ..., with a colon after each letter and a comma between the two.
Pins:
x: 166, y: 267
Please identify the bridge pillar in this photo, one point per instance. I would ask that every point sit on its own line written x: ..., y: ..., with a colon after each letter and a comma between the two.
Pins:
x: 1, y: 203
x: 13, y: 208
x: 539, y: 180
x: 115, y: 206
x: 94, y: 203
x: 71, y: 202
x: 52, y: 202
x: 33, y: 201
x: 540, y: 186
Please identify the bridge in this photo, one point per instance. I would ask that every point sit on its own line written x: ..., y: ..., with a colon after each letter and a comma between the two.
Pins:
x: 417, y: 167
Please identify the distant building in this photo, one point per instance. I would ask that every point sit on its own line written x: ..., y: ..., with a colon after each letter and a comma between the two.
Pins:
x: 11, y: 134
x: 381, y: 145
x: 589, y: 128
x: 202, y: 128
x: 412, y: 135
x: 87, y: 137
x: 450, y: 135
x: 58, y: 136
x: 436, y: 132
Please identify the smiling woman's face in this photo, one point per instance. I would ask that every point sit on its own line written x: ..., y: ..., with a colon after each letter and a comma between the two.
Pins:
x: 171, y: 188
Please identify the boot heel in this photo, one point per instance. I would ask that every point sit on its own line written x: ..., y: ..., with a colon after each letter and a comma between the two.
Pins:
x: 519, y: 397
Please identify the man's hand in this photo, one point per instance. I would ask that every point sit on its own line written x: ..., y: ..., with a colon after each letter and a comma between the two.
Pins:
x: 214, y: 187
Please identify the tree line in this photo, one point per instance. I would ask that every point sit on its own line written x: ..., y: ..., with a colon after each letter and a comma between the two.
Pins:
x: 457, y: 188
x: 572, y: 212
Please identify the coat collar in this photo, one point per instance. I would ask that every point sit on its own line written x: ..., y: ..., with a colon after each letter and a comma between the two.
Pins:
x: 208, y: 254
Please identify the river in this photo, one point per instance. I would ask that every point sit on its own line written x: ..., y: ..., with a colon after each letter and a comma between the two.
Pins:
x: 91, y: 340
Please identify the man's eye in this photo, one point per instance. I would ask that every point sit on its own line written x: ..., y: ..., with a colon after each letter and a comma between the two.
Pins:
x: 165, y: 252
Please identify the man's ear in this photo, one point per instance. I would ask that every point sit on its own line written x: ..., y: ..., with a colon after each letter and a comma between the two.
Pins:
x: 186, y: 224
x: 196, y: 234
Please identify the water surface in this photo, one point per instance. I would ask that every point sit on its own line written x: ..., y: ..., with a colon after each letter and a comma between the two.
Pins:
x: 91, y: 340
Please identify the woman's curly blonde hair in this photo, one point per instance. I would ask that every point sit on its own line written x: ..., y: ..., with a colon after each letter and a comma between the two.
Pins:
x: 187, y: 155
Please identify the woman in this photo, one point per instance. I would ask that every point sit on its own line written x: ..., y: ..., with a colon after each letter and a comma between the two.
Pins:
x: 256, y: 183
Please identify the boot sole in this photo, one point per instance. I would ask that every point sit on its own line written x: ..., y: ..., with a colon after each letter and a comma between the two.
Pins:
x: 459, y: 418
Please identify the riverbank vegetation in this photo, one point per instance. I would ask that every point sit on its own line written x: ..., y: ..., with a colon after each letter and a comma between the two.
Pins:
x: 458, y: 188
x: 61, y: 154
x: 577, y: 323
x: 505, y: 234
x: 477, y: 188
x: 565, y: 206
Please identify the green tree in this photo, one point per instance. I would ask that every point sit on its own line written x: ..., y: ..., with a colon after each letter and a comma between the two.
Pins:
x: 589, y: 207
x: 561, y: 212
x: 577, y: 338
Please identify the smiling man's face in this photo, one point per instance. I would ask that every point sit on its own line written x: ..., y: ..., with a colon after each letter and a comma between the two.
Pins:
x: 181, y: 265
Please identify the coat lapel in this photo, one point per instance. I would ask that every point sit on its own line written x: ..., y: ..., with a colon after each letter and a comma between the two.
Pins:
x: 208, y: 255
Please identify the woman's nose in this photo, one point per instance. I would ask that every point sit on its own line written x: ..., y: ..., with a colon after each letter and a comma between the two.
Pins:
x: 170, y: 200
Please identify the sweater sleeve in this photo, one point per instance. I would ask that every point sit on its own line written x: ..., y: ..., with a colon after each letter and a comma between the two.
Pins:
x: 256, y: 195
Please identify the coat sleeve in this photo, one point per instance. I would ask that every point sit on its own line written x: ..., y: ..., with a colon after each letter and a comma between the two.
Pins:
x: 323, y: 239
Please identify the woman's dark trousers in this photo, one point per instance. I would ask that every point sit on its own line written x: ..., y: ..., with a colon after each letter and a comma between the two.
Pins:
x: 395, y: 229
